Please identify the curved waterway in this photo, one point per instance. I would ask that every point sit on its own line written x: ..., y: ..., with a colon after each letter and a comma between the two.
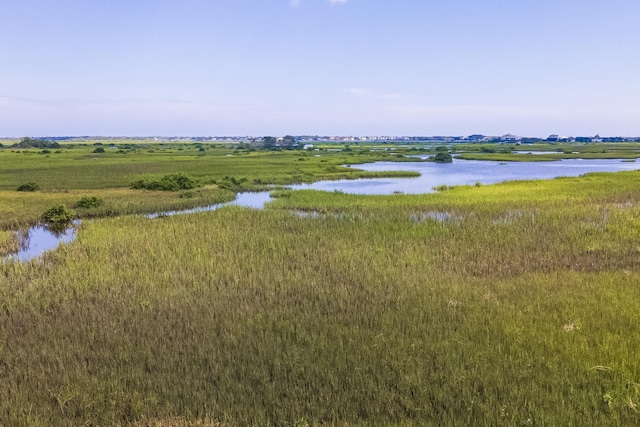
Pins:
x: 463, y: 172
x: 41, y: 238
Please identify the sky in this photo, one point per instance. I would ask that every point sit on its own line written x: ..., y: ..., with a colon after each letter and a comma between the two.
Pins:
x: 319, y: 67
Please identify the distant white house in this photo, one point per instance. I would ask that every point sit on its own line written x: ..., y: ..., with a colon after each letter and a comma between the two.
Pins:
x: 509, y: 138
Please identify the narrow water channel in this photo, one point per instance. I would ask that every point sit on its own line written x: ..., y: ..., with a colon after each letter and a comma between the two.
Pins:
x: 41, y: 238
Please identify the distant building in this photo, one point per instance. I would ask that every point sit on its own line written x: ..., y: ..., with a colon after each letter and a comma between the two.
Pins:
x: 475, y: 137
x: 509, y: 138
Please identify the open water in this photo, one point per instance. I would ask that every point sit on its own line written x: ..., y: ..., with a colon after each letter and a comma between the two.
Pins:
x: 41, y: 238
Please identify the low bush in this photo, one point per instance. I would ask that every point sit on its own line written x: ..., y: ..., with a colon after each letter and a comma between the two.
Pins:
x: 89, y: 202
x: 443, y: 157
x: 58, y: 214
x: 170, y: 182
x: 28, y: 186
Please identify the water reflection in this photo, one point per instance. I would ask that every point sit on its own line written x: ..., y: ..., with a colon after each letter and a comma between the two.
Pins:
x: 41, y: 238
x: 255, y: 200
x: 45, y: 237
x: 463, y: 172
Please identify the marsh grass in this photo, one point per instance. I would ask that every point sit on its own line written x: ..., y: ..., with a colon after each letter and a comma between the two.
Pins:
x: 78, y: 168
x: 22, y: 209
x: 508, y: 304
x: 267, y: 318
x: 9, y: 242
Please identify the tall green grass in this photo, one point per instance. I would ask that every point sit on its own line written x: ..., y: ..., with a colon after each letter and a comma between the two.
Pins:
x: 518, y: 305
x: 21, y: 209
x: 79, y: 168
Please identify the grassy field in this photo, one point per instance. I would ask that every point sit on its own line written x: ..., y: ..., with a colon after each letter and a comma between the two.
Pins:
x: 66, y: 174
x: 509, y: 304
x: 78, y: 167
x: 547, y: 152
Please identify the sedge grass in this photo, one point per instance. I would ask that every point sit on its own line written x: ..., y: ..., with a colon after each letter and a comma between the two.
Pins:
x: 508, y: 304
x: 266, y: 318
x: 20, y: 209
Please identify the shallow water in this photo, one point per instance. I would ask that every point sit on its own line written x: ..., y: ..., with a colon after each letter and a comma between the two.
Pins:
x: 41, y: 238
x: 255, y: 200
x: 462, y: 172
x: 537, y: 152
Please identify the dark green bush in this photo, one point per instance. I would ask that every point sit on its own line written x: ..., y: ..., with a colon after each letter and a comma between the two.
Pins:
x: 443, y: 157
x: 28, y: 186
x: 58, y: 214
x: 171, y: 182
x: 98, y: 150
x: 36, y: 143
x: 89, y: 202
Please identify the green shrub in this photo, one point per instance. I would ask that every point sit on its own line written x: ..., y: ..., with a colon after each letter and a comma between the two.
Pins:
x: 89, y: 202
x: 171, y: 182
x: 231, y: 183
x: 443, y: 157
x: 58, y: 214
x: 99, y: 150
x: 28, y: 186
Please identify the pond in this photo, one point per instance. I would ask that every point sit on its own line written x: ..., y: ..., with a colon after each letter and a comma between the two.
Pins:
x: 463, y: 172
x: 41, y: 238
x: 255, y: 200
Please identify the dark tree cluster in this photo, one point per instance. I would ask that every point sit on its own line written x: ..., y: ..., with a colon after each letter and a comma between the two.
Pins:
x: 36, y: 143
x: 286, y: 143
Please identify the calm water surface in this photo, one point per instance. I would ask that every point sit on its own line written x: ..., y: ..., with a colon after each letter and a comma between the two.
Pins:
x: 41, y: 238
x: 463, y: 172
x: 248, y: 200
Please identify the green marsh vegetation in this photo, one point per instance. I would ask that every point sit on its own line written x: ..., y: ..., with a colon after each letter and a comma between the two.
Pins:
x: 504, y: 152
x: 77, y: 167
x: 508, y: 304
x: 73, y: 171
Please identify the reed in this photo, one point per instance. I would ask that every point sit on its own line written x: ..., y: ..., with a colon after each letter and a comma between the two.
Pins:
x: 370, y: 318
x: 508, y: 304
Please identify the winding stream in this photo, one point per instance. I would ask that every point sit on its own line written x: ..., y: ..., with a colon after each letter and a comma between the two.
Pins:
x: 41, y: 238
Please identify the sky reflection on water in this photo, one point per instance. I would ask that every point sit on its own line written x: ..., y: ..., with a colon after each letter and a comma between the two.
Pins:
x: 462, y: 172
x: 41, y: 238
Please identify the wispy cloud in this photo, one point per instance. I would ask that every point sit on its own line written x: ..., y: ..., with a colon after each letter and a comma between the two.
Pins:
x: 338, y: 1
x: 294, y: 3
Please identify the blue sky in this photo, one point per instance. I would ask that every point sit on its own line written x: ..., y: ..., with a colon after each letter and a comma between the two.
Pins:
x: 341, y: 67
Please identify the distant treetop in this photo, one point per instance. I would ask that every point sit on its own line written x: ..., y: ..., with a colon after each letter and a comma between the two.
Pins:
x: 36, y: 143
